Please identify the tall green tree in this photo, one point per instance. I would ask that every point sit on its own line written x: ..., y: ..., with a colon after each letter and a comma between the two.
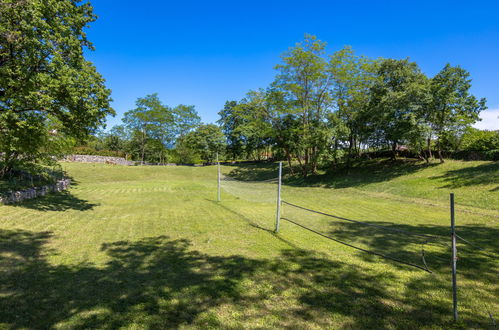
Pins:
x: 207, y: 140
x: 186, y: 119
x: 229, y: 121
x: 397, y: 97
x: 305, y: 82
x: 353, y: 76
x: 452, y: 106
x: 151, y: 119
x: 45, y: 79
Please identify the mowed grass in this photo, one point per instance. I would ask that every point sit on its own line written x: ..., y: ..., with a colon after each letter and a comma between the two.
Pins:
x: 150, y: 247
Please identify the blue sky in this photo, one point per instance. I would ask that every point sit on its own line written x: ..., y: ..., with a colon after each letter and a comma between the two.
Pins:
x: 206, y: 52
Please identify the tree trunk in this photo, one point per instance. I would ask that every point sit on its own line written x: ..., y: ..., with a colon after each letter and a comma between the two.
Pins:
x: 8, y: 160
x: 423, y: 155
x: 303, y: 167
x: 394, y: 151
x: 288, y: 156
x: 350, y: 148
x: 439, y: 147
x: 428, y: 146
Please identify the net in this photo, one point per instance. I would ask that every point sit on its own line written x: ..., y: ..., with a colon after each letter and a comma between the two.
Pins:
x: 264, y: 191
x: 382, y: 239
x: 373, y: 238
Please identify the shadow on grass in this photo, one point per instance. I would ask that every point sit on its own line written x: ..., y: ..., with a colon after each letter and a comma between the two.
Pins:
x: 471, y: 176
x: 254, y: 172
x: 253, y: 224
x: 157, y: 282
x: 57, y: 201
x: 473, y: 264
x: 361, y: 173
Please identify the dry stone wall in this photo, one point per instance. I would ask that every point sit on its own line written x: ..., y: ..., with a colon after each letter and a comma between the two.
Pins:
x: 21, y: 195
x: 98, y: 159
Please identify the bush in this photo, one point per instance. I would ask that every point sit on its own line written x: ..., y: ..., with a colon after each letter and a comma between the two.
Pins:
x: 85, y: 150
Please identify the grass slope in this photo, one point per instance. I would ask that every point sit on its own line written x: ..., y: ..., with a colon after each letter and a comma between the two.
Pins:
x: 149, y: 247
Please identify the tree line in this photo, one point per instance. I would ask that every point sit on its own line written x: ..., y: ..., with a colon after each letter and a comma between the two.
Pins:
x: 321, y: 109
x: 153, y: 132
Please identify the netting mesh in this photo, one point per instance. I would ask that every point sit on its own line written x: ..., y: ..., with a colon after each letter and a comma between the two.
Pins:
x: 382, y: 239
x: 264, y: 191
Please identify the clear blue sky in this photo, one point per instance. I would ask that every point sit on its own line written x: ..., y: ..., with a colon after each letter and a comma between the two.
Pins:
x: 206, y: 52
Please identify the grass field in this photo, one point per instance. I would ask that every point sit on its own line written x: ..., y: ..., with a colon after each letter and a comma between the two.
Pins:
x: 150, y: 247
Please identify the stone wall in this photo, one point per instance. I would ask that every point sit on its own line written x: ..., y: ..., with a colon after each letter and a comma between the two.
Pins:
x: 98, y: 159
x: 21, y: 195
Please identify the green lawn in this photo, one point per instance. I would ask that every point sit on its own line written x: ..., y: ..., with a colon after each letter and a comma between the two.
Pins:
x: 150, y: 247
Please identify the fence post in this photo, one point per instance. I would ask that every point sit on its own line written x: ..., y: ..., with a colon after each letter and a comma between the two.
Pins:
x: 278, y: 213
x: 454, y: 256
x: 218, y: 170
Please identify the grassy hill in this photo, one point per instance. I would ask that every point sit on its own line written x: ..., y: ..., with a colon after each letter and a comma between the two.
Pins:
x: 151, y: 247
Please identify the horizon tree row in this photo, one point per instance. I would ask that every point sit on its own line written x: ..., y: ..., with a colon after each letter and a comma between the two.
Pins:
x: 156, y: 133
x: 324, y: 109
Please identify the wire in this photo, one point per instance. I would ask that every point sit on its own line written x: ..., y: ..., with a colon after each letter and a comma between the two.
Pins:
x: 360, y: 249
x: 476, y: 247
x: 365, y: 223
x: 228, y: 178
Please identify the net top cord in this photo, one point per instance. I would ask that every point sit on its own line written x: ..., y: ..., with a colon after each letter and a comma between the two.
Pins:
x: 229, y: 178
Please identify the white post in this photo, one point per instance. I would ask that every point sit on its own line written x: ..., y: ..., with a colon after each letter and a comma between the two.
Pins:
x: 218, y: 168
x: 278, y: 213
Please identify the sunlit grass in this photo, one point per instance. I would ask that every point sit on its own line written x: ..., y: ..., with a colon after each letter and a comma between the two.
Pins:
x: 149, y: 247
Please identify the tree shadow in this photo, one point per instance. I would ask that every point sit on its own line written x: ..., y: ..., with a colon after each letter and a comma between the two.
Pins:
x: 474, y: 264
x: 152, y: 283
x: 253, y: 223
x: 157, y: 282
x: 57, y: 201
x: 254, y: 172
x: 470, y: 176
x: 360, y: 174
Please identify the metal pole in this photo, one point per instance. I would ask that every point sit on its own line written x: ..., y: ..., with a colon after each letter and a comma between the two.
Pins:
x: 218, y: 169
x: 454, y: 256
x: 278, y: 213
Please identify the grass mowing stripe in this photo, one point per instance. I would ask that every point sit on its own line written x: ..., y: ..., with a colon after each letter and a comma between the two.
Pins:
x: 149, y: 247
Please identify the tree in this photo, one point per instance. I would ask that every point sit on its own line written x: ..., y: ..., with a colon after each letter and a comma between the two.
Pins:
x: 452, y: 107
x: 304, y: 81
x: 207, y: 140
x: 353, y: 76
x: 44, y: 77
x: 117, y: 139
x: 229, y: 122
x: 397, y: 97
x: 186, y: 119
x: 150, y: 120
x: 479, y: 140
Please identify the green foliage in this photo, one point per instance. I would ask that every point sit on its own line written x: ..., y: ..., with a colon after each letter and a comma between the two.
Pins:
x: 397, y: 97
x: 452, y: 108
x: 44, y: 77
x: 479, y: 140
x: 230, y: 121
x: 186, y: 119
x: 305, y: 84
x: 85, y: 150
x: 205, y: 142
x: 330, y: 109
